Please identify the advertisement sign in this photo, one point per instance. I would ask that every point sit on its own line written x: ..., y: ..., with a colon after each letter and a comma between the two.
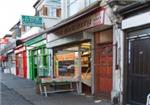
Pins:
x: 33, y: 21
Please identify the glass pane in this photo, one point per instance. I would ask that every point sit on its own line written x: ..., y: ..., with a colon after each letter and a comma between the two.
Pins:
x: 91, y: 1
x: 73, y: 7
x: 88, y: 2
x: 52, y: 12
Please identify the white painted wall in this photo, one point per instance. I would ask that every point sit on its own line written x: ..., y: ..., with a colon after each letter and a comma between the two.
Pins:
x: 118, y: 43
x: 50, y: 21
x: 137, y: 20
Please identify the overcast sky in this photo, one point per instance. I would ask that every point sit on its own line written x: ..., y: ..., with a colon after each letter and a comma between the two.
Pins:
x: 10, y: 12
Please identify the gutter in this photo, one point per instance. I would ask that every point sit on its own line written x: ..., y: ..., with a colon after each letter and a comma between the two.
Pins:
x: 36, y: 3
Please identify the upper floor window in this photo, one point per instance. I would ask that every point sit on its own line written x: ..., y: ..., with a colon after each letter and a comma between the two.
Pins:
x: 88, y: 2
x: 43, y: 11
x: 52, y: 12
x: 72, y: 7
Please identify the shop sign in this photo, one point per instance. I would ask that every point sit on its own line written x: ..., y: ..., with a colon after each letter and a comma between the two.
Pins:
x: 3, y: 41
x: 89, y: 21
x: 138, y: 20
x: 38, y: 44
x: 35, y: 40
x: 20, y: 50
x: 33, y: 21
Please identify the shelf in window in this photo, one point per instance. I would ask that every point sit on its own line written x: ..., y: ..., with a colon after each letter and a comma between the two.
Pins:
x: 85, y: 65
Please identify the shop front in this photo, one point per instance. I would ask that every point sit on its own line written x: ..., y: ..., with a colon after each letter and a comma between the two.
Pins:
x: 137, y: 50
x: 21, y: 64
x: 3, y: 59
x: 73, y: 60
x: 37, y: 56
x: 82, y: 49
x: 11, y: 61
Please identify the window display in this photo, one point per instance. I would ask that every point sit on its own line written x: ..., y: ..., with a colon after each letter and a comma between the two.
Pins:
x: 66, y: 62
x: 66, y: 68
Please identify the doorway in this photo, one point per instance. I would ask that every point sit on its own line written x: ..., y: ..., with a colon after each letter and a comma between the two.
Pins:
x: 20, y: 65
x: 103, y: 70
x: 138, y: 71
x: 86, y: 75
x: 103, y: 63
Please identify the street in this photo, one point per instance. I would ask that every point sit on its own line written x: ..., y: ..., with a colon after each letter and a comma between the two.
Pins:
x: 19, y: 91
x: 10, y: 97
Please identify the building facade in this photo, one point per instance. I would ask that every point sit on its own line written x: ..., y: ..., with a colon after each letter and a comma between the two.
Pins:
x: 37, y: 53
x: 85, y: 41
x: 136, y: 29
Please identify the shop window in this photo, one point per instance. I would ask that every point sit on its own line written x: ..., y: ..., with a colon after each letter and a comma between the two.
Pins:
x: 35, y: 57
x: 45, y: 58
x: 86, y: 66
x: 20, y: 64
x: 66, y: 68
x: 66, y: 62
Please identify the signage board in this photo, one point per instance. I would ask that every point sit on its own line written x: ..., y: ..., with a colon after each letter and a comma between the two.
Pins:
x: 33, y: 21
x: 35, y: 40
x: 3, y: 41
x: 94, y: 19
x: 20, y: 50
x: 138, y: 20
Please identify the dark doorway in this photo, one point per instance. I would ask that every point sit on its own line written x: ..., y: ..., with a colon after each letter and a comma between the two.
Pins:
x: 138, y: 79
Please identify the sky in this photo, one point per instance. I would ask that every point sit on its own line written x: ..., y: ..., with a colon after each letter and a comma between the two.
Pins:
x: 11, y: 11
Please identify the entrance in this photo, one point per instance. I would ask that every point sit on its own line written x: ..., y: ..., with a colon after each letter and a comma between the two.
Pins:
x: 138, y: 73
x: 86, y: 76
x: 103, y: 67
x: 20, y: 65
x: 103, y: 63
x: 38, y: 58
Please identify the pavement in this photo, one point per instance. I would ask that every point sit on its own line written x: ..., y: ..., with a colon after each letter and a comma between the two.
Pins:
x: 19, y: 91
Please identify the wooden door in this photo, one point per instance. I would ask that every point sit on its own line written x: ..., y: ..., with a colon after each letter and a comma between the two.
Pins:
x: 103, y: 70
